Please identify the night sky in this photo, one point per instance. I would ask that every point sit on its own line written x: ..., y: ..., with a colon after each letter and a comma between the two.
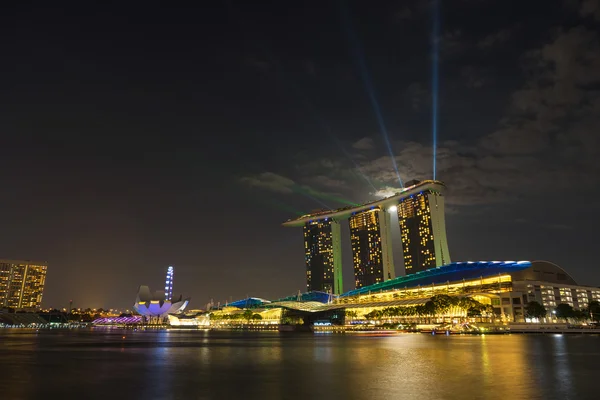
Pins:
x: 135, y: 137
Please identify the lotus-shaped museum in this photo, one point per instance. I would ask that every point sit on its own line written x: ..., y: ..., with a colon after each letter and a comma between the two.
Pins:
x: 156, y: 305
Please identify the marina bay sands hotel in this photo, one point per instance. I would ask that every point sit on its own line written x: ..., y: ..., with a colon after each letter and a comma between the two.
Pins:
x: 420, y: 208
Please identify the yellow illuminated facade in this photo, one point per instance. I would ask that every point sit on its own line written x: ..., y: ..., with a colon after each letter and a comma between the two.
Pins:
x: 21, y: 284
x: 423, y: 231
x: 322, y: 250
x: 502, y: 289
x: 369, y: 250
x: 495, y: 284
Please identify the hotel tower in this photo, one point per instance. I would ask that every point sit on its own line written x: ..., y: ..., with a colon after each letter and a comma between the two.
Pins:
x: 420, y: 208
x: 322, y: 250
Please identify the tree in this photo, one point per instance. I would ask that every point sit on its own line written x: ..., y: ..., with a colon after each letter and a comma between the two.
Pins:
x: 478, y: 310
x: 594, y: 310
x: 441, y: 303
x: 427, y: 309
x: 375, y: 314
x: 351, y: 314
x: 580, y: 315
x: 247, y: 315
x: 535, y: 310
x: 564, y: 311
x: 256, y: 317
x: 472, y: 307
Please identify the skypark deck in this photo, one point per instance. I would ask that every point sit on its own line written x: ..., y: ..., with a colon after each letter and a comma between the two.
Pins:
x: 345, y: 212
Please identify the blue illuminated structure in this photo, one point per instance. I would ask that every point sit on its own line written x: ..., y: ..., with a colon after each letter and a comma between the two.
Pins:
x: 321, y: 297
x: 313, y: 296
x: 169, y: 284
x: 250, y: 302
x: 450, y: 273
x: 446, y: 273
x: 435, y: 80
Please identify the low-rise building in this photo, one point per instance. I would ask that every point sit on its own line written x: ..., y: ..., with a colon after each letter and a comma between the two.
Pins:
x: 501, y: 289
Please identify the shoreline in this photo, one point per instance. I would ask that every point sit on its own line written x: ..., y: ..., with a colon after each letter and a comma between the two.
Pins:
x: 520, y: 330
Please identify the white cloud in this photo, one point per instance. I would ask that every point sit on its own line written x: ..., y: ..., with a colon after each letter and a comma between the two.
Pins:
x: 365, y: 143
x: 270, y: 181
x: 386, y: 192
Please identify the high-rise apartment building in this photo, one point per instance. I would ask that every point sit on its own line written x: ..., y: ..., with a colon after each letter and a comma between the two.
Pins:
x: 370, y: 238
x: 423, y: 231
x: 22, y: 283
x: 323, y: 256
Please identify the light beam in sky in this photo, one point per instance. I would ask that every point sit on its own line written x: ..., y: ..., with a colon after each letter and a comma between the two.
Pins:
x: 359, y: 58
x: 435, y: 80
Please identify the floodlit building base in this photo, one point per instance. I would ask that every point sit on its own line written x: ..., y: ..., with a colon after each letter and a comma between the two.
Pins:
x: 503, y: 288
x: 199, y: 321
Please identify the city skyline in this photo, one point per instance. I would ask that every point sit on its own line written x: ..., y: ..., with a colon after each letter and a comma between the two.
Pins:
x: 135, y: 139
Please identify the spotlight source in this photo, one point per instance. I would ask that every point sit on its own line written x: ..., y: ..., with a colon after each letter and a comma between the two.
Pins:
x: 393, y: 209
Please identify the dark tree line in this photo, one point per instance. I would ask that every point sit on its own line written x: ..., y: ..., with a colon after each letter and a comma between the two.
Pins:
x: 565, y: 311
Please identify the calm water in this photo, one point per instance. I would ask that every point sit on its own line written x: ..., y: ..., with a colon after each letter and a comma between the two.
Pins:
x: 224, y: 365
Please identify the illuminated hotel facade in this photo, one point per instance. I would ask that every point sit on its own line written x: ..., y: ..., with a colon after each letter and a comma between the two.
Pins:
x: 420, y: 208
x: 372, y: 255
x: 323, y: 256
x: 22, y: 284
x: 423, y: 231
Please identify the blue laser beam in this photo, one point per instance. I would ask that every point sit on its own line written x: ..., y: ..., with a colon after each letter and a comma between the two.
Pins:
x: 435, y: 81
x: 364, y: 72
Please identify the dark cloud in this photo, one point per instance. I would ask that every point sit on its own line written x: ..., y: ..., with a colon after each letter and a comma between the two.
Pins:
x: 452, y: 42
x: 257, y: 64
x: 546, y: 140
x: 365, y: 143
x: 403, y: 14
x: 558, y: 103
x: 495, y: 38
x: 590, y: 8
x: 417, y: 95
x: 475, y: 77
x: 329, y: 183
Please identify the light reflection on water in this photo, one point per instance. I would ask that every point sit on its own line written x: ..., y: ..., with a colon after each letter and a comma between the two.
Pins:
x: 223, y: 365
